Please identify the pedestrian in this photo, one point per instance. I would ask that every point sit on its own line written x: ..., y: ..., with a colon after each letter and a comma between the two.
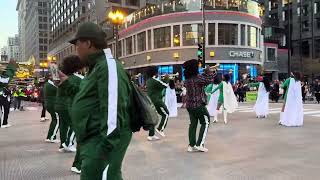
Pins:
x: 196, y: 104
x: 261, y: 107
x: 43, y: 117
x: 156, y: 89
x: 227, y: 98
x: 317, y: 90
x: 275, y: 92
x: 70, y: 66
x: 292, y: 109
x: 241, y: 92
x: 304, y: 91
x: 171, y: 99
x: 5, y: 78
x: 102, y: 107
x: 50, y: 93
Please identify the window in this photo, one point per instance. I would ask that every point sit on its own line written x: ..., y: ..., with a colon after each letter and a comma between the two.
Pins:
x: 162, y: 37
x: 176, y: 35
x: 305, y: 49
x: 305, y: 11
x: 243, y: 35
x: 128, y: 45
x: 212, y: 34
x: 305, y: 26
x: 271, y: 54
x: 252, y: 36
x: 149, y: 39
x: 192, y: 34
x: 317, y: 48
x: 227, y: 34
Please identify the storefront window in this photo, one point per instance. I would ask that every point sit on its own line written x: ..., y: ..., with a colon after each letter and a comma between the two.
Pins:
x: 162, y: 37
x: 228, y: 34
x: 176, y: 35
x: 243, y: 35
x: 141, y: 41
x: 192, y: 34
x: 211, y: 34
x: 252, y: 36
x: 129, y: 45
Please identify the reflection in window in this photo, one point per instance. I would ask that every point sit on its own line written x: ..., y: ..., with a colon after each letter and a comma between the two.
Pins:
x: 228, y: 34
x: 192, y: 34
x: 211, y: 34
x: 141, y: 41
x: 162, y: 37
x: 243, y: 35
x: 271, y: 54
x: 128, y: 45
x: 252, y: 36
x: 176, y: 35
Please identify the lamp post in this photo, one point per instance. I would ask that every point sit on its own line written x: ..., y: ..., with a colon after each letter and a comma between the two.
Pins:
x: 117, y: 19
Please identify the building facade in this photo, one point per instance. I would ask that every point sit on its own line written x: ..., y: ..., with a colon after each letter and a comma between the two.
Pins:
x: 34, y: 29
x: 4, y: 53
x: 303, y: 36
x: 65, y: 17
x: 13, y: 48
x: 167, y: 34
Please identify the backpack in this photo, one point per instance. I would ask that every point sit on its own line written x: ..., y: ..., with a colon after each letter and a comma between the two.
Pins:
x: 144, y: 112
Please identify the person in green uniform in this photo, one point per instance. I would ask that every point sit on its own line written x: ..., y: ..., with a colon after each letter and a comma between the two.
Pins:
x: 196, y: 104
x: 50, y: 92
x: 5, y: 79
x: 101, y: 108
x: 297, y: 77
x: 155, y: 89
x: 70, y: 66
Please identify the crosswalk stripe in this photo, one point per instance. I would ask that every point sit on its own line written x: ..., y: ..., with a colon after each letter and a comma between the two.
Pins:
x: 311, y: 112
x: 318, y: 115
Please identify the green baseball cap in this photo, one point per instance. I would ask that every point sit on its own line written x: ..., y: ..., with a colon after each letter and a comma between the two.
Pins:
x: 88, y: 30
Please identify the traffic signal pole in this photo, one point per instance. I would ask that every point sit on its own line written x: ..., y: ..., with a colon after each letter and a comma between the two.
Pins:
x: 204, y: 34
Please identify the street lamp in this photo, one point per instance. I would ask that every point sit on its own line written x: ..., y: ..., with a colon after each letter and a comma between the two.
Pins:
x: 117, y: 19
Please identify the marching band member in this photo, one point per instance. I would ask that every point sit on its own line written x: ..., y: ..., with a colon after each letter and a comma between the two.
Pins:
x: 292, y: 110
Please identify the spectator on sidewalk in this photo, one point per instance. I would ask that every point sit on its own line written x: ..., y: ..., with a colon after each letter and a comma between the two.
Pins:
x: 317, y: 90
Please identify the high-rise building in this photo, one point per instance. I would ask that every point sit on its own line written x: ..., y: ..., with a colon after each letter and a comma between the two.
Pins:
x: 13, y: 48
x: 33, y: 28
x: 4, y: 53
x: 299, y: 21
x: 65, y: 16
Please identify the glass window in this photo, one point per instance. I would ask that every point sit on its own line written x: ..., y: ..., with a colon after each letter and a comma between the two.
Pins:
x: 212, y: 34
x: 192, y: 34
x: 128, y: 45
x: 141, y: 41
x: 271, y: 54
x: 149, y: 39
x: 252, y: 36
x: 162, y: 37
x: 227, y: 34
x: 243, y: 35
x: 176, y: 35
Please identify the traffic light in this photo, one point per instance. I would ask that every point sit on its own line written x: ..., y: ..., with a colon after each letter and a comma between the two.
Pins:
x: 200, y: 53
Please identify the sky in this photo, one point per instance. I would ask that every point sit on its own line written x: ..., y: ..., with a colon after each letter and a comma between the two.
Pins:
x: 8, y: 20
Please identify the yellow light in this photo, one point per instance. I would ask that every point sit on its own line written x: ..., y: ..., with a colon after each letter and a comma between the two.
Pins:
x: 148, y: 58
x: 116, y: 17
x: 212, y: 53
x: 50, y: 58
x: 176, y: 40
x: 176, y: 55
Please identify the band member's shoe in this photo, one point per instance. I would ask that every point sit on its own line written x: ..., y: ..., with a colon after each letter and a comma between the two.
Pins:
x: 161, y: 133
x: 153, y: 138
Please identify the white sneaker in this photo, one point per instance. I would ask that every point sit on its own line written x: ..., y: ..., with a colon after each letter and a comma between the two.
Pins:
x: 42, y: 119
x: 6, y: 126
x: 202, y: 149
x: 161, y: 133
x: 55, y: 141
x: 62, y: 150
x: 48, y: 140
x: 46, y: 118
x: 72, y: 149
x: 192, y: 149
x: 153, y: 138
x: 75, y: 170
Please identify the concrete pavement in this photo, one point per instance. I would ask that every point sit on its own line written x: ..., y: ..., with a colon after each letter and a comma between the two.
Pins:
x: 246, y: 148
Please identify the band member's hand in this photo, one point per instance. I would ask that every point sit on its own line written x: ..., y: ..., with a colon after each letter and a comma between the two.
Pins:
x: 62, y: 77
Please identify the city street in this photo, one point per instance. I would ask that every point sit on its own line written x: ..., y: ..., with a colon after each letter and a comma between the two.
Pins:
x: 246, y: 149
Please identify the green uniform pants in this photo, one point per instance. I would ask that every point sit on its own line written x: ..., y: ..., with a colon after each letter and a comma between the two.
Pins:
x: 199, y: 114
x: 77, y: 160
x: 65, y: 128
x: 97, y: 164
x: 164, y: 113
x: 54, y: 125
